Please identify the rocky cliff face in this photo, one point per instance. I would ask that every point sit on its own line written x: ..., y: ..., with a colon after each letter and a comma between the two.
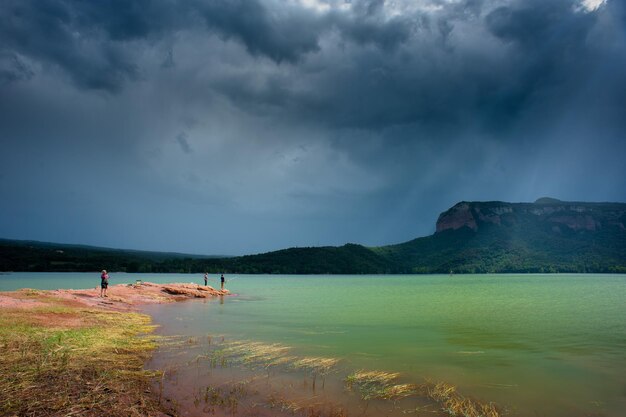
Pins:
x: 558, y: 215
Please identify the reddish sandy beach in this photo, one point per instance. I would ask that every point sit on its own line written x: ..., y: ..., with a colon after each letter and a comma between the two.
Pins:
x: 121, y: 297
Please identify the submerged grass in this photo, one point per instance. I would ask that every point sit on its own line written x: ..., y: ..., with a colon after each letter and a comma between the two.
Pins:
x: 457, y: 405
x: 257, y: 354
x: 60, y: 359
x: 383, y: 385
x: 378, y: 384
x: 315, y: 364
x: 264, y: 355
x: 368, y: 384
x: 225, y: 397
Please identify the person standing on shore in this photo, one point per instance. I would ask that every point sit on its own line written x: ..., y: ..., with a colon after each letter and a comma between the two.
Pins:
x: 104, y: 283
x: 222, y: 280
x: 206, y: 278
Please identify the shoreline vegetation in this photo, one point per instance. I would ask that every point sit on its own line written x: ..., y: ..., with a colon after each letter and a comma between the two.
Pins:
x: 87, y: 368
x: 70, y: 352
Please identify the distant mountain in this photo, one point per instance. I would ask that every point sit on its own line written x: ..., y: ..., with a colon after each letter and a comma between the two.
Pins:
x: 471, y: 237
x: 546, y: 236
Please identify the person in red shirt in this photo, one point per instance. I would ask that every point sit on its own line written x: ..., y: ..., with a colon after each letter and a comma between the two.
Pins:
x: 104, y: 283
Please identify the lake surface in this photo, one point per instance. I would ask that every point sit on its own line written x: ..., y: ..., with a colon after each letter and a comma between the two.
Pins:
x: 538, y: 345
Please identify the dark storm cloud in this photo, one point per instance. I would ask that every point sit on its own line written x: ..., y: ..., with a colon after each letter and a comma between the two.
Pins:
x: 92, y: 41
x: 368, y: 25
x: 437, y: 80
x: 274, y: 123
x: 79, y: 37
x: 282, y: 35
x: 287, y: 33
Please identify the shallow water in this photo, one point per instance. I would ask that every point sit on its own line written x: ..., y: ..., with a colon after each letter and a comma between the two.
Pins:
x: 538, y: 345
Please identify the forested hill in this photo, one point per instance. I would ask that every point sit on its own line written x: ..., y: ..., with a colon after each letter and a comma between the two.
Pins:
x: 29, y: 255
x: 471, y: 237
x: 545, y: 236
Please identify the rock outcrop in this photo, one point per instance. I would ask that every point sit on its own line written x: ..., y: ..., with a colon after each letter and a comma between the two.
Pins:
x: 192, y: 290
x: 125, y: 297
x: 558, y: 215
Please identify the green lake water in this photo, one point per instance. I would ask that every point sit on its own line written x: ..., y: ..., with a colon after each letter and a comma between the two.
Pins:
x: 539, y: 345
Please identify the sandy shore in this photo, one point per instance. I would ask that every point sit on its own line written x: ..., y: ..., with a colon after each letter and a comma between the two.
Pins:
x: 72, y: 352
x: 121, y: 297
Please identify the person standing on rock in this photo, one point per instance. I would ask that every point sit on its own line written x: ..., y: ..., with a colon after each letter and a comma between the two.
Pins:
x: 206, y: 278
x: 222, y: 280
x: 104, y: 283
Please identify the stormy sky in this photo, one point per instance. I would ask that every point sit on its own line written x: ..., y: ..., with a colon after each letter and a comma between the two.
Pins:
x: 243, y: 126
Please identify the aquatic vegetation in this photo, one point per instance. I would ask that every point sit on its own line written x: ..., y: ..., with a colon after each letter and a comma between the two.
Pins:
x: 379, y: 384
x: 438, y: 398
x: 305, y: 408
x: 315, y: 364
x: 216, y: 357
x: 283, y: 404
x: 382, y: 385
x: 456, y: 405
x: 255, y: 354
x: 226, y: 397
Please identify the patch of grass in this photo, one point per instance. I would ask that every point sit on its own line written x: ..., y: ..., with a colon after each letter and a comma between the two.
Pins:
x: 256, y: 354
x: 58, y: 360
x: 382, y: 385
x: 227, y: 397
x: 304, y: 407
x: 315, y: 365
x: 378, y: 384
x: 266, y: 356
x: 456, y: 405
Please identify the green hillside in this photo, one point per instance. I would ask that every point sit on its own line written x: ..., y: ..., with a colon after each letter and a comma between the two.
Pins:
x: 472, y: 237
x: 545, y: 236
x: 494, y: 249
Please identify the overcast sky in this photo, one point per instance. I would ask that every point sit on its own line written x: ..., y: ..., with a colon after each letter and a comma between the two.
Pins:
x: 243, y: 126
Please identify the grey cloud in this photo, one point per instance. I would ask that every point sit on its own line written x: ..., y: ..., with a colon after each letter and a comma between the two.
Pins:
x: 57, y: 33
x: 541, y: 54
x: 366, y: 8
x: 181, y: 138
x: 308, y: 127
x: 387, y: 35
x: 96, y: 42
x: 287, y: 33
x: 168, y: 62
x: 534, y: 24
x: 283, y: 34
x: 129, y: 20
x: 12, y: 68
